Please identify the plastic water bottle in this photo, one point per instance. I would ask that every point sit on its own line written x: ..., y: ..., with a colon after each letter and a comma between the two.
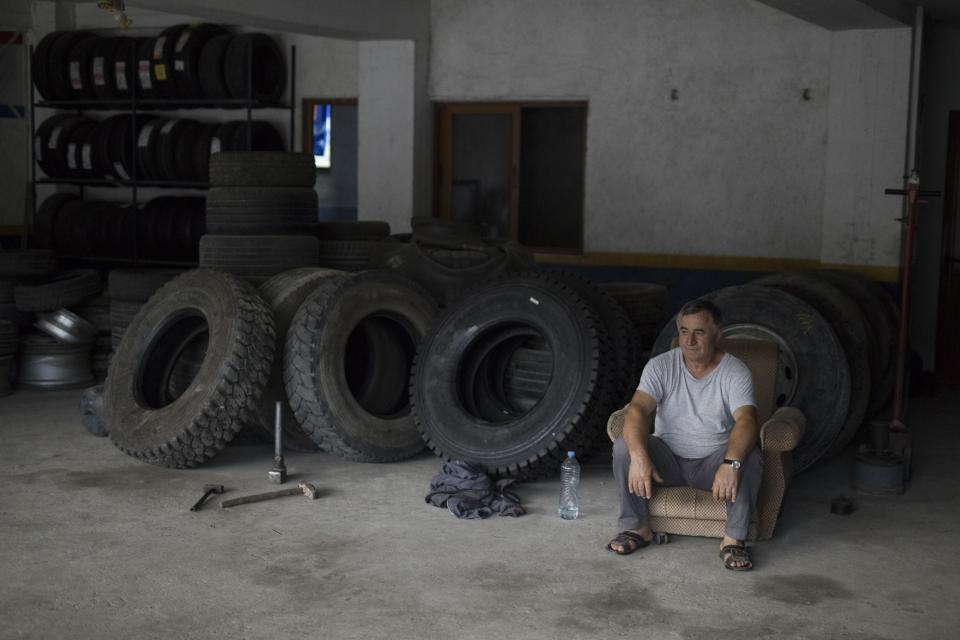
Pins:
x: 569, y: 484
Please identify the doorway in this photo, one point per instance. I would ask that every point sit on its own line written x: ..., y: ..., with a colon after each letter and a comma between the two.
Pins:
x: 948, y: 308
x: 330, y: 133
x: 514, y: 171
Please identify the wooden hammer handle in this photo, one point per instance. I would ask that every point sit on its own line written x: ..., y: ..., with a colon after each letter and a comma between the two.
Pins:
x: 259, y: 497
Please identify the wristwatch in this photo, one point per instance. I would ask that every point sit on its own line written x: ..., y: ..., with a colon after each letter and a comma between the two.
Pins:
x: 733, y: 463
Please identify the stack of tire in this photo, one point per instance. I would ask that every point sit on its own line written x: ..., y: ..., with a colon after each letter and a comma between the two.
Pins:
x: 521, y: 369
x: 352, y: 246
x: 96, y: 311
x: 129, y: 290
x: 835, y: 332
x: 209, y: 354
x: 183, y: 62
x: 17, y: 267
x: 167, y: 149
x: 261, y: 210
x: 59, y: 355
x: 166, y: 228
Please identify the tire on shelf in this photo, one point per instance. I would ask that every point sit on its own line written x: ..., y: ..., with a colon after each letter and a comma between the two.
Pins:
x: 183, y: 155
x: 257, y: 135
x: 370, y: 230
x: 73, y: 154
x: 63, y: 290
x: 162, y: 62
x: 211, y: 68
x: 24, y: 264
x: 144, y: 75
x: 201, y: 151
x: 80, y: 68
x: 263, y: 169
x: 186, y: 58
x: 148, y: 153
x: 59, y: 61
x: 497, y: 322
x: 850, y: 325
x: 142, y: 420
x: 40, y: 68
x: 257, y: 258
x: 169, y: 138
x: 45, y: 142
x: 327, y: 361
x: 103, y: 67
x: 267, y: 71
x: 812, y: 373
x: 284, y: 293
x: 102, y: 146
x: 123, y: 68
x: 261, y: 210
x: 123, y: 136
x: 45, y: 221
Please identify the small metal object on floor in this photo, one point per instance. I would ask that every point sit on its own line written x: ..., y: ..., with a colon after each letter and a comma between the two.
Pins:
x: 304, y: 488
x: 208, y: 490
x: 660, y: 537
x: 278, y: 475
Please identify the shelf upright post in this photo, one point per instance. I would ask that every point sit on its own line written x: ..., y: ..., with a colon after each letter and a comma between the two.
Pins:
x: 32, y: 209
x: 293, y: 92
x: 250, y: 96
x: 133, y: 149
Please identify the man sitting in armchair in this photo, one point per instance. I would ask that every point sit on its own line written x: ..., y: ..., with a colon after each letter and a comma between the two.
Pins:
x: 705, y: 437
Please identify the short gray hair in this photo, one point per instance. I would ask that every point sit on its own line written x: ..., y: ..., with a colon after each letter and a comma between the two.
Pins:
x: 699, y: 305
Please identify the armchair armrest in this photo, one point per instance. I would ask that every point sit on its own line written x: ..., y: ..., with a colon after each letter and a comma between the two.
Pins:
x: 783, y: 430
x: 615, y: 424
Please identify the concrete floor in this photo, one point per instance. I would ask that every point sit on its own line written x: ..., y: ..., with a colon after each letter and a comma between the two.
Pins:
x: 94, y: 544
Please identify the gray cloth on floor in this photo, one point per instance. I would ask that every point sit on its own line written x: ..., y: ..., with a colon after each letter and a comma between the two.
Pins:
x: 470, y: 493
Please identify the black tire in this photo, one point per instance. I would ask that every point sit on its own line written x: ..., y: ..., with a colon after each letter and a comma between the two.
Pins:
x: 261, y: 210
x: 882, y: 323
x: 326, y: 361
x: 186, y: 58
x: 59, y: 61
x: 162, y: 62
x: 170, y: 137
x: 285, y: 292
x: 103, y: 68
x: 40, y: 68
x: 148, y: 154
x: 257, y: 135
x: 223, y: 137
x: 27, y: 263
x: 91, y: 410
x: 58, y: 144
x: 364, y: 230
x: 813, y: 375
x: 267, y: 71
x: 9, y: 338
x: 63, y: 290
x: 211, y: 68
x: 125, y: 133
x: 138, y: 285
x: 73, y: 154
x: 144, y: 72
x: 183, y: 156
x: 850, y: 325
x: 645, y: 303
x: 223, y: 397
x: 43, y: 225
x: 201, y: 151
x: 443, y: 234
x: 23, y: 319
x: 49, y: 143
x: 102, y: 158
x: 257, y: 258
x: 80, y: 68
x: 123, y: 69
x: 263, y: 169
x: 122, y: 313
x: 473, y: 342
x: 96, y: 311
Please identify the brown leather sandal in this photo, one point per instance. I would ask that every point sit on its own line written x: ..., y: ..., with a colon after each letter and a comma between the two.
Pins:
x: 629, y: 541
x: 734, y: 553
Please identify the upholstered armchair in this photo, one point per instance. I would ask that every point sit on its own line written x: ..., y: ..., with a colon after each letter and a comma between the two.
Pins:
x: 694, y: 512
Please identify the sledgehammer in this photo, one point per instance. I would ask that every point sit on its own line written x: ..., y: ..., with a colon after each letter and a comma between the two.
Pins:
x: 304, y: 488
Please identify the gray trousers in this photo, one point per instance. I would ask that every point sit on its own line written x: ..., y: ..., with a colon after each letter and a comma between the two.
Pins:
x: 677, y: 471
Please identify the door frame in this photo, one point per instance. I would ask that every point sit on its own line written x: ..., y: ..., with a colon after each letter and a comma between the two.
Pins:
x: 951, y: 201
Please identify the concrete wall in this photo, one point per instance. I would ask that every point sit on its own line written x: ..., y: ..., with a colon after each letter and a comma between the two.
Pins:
x: 940, y: 94
x: 736, y: 165
x: 337, y: 187
x: 14, y: 129
x: 869, y: 77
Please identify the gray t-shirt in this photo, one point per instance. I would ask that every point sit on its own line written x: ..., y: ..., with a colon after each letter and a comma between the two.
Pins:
x: 694, y: 417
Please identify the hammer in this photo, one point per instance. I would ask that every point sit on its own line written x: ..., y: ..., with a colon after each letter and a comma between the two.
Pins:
x: 208, y: 490
x: 304, y: 488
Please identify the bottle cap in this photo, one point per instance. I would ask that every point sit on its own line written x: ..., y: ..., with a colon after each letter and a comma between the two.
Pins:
x: 571, y: 454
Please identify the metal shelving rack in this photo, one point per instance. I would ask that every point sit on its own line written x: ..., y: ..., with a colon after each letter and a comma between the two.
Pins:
x: 133, y: 104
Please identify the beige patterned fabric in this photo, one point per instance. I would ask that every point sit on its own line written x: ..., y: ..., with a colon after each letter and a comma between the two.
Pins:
x: 692, y: 512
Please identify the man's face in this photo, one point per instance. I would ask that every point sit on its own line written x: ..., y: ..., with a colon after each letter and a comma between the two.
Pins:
x: 698, y: 337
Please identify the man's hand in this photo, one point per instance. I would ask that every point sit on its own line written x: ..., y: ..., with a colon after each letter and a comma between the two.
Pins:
x: 725, y: 483
x: 641, y: 476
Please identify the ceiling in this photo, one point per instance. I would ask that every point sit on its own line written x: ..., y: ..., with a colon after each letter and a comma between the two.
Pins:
x: 839, y: 15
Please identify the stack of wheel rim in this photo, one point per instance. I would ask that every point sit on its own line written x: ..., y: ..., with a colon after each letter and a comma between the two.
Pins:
x: 834, y: 331
x: 260, y: 214
x: 59, y: 355
x: 522, y: 369
x: 185, y: 61
x: 167, y: 149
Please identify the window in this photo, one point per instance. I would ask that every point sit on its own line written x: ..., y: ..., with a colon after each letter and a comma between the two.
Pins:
x: 513, y: 171
x: 320, y: 140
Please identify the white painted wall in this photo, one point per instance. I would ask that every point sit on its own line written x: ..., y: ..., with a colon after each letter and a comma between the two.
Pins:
x: 736, y: 166
x: 866, y: 142
x: 386, y: 132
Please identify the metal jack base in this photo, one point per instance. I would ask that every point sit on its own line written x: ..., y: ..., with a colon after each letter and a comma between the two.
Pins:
x: 883, y: 467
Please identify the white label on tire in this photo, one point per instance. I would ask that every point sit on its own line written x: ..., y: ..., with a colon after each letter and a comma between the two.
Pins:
x: 534, y: 300
x: 144, y: 139
x: 120, y: 72
x: 52, y: 143
x: 72, y: 155
x: 182, y: 40
x: 98, y: 78
x: 143, y: 69
x: 158, y: 47
x: 214, y: 145
x: 118, y: 167
x: 178, y: 65
x: 165, y: 129
x: 75, y: 80
x: 85, y: 153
